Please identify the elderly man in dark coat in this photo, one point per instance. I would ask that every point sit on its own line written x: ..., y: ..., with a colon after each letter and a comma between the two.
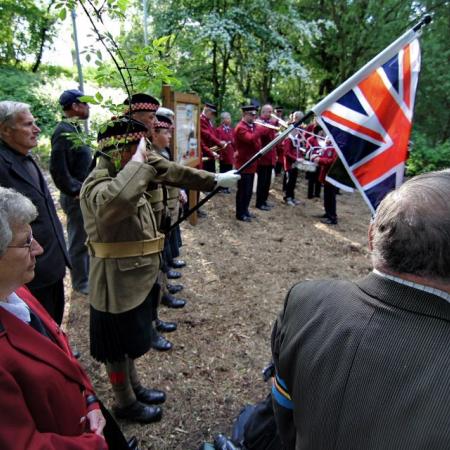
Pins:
x: 18, y: 135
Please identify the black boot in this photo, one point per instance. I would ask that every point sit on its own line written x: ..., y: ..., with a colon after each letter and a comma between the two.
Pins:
x: 172, y: 302
x: 160, y: 343
x: 149, y: 396
x: 165, y: 327
x: 138, y: 412
x: 133, y: 443
x: 173, y: 274
x: 177, y: 263
x: 174, y: 288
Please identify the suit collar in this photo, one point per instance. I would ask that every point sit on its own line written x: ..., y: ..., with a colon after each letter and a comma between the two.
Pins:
x: 405, y: 297
x: 13, y: 158
x: 27, y: 340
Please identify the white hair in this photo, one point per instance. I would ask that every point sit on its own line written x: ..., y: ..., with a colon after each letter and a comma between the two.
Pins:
x: 15, y: 209
x: 225, y: 115
x: 166, y: 112
x: 297, y: 115
x: 9, y: 111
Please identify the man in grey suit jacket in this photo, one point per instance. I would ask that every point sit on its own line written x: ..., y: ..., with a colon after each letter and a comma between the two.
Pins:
x: 18, y: 170
x: 366, y: 364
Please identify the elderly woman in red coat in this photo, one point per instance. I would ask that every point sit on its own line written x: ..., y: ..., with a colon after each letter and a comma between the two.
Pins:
x: 47, y: 400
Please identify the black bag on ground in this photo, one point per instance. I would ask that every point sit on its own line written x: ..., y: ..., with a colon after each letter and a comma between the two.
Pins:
x: 255, y: 427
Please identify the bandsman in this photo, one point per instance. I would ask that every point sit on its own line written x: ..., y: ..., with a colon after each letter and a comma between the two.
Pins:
x: 208, y: 137
x: 225, y: 132
x: 247, y: 138
x: 267, y: 162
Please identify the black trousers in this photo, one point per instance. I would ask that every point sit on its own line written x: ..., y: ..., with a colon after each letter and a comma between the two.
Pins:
x: 52, y: 299
x: 224, y: 167
x: 329, y: 200
x: 209, y: 165
x: 291, y: 180
x: 244, y: 194
x: 263, y: 187
x: 314, y: 185
x: 278, y: 168
x: 175, y: 242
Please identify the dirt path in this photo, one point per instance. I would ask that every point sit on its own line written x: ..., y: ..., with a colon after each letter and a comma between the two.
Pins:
x: 236, y: 279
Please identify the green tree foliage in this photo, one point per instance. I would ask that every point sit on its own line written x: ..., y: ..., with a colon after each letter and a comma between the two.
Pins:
x: 432, y: 116
x: 27, y: 27
x: 291, y: 52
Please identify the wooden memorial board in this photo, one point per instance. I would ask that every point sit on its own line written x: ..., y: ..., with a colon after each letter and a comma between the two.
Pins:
x: 185, y: 144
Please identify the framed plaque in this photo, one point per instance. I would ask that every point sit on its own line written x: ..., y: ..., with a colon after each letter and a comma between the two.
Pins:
x: 185, y: 144
x: 186, y: 136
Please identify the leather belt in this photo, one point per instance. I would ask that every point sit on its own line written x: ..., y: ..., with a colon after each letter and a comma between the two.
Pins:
x: 126, y: 249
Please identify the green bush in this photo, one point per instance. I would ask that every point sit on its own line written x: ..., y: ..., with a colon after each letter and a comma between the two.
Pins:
x: 424, y: 157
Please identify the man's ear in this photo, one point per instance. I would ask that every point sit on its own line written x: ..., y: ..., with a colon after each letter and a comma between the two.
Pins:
x: 5, y: 131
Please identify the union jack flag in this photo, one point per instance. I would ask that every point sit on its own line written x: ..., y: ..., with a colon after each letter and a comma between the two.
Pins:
x: 370, y: 124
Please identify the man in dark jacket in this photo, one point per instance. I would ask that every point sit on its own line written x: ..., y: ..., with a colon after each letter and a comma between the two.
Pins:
x: 18, y: 170
x: 69, y: 167
x: 363, y: 365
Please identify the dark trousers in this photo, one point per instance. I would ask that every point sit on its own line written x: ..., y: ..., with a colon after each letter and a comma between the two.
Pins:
x: 52, y: 299
x: 175, y: 242
x: 263, y: 187
x: 244, y: 194
x: 278, y: 168
x: 209, y: 165
x: 291, y: 180
x: 314, y: 184
x: 155, y: 295
x: 79, y: 257
x: 329, y: 200
x: 224, y: 167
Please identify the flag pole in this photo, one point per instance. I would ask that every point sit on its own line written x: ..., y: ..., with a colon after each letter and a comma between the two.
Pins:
x: 361, y: 74
x: 254, y: 158
x: 374, y: 63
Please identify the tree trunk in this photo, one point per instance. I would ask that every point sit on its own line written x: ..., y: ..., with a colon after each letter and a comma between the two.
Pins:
x: 215, y: 76
x: 43, y: 38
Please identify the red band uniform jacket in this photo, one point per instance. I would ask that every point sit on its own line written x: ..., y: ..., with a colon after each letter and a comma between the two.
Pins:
x: 327, y: 157
x: 43, y: 388
x: 208, y: 137
x: 247, y: 140
x: 291, y: 152
x: 226, y: 134
x: 267, y: 136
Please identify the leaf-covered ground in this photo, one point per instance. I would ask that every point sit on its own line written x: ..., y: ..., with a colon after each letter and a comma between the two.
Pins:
x: 235, y: 282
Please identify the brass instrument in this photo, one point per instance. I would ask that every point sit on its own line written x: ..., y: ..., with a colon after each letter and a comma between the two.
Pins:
x: 267, y: 125
x: 283, y: 123
x: 217, y: 148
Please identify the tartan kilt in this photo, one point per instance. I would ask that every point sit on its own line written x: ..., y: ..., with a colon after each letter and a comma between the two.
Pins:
x: 114, y: 336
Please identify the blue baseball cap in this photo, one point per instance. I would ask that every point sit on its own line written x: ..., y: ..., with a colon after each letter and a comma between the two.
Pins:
x: 70, y: 96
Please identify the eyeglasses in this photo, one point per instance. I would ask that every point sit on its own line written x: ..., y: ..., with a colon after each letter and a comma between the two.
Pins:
x: 28, y: 243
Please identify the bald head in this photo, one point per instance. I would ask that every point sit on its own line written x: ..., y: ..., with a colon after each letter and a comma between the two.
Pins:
x: 266, y: 111
x: 411, y: 230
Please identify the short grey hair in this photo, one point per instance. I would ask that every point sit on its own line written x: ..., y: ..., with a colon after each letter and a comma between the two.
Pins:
x: 411, y: 228
x: 9, y: 111
x: 15, y: 209
x: 297, y: 115
x: 166, y: 112
x: 225, y: 115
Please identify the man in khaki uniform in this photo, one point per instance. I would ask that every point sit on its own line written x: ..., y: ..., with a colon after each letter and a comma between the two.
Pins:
x: 125, y: 246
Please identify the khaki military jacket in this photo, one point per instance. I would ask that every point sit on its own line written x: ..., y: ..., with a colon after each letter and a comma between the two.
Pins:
x: 116, y: 208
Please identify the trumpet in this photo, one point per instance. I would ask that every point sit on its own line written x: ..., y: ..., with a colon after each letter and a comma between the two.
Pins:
x: 267, y: 125
x: 283, y: 123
